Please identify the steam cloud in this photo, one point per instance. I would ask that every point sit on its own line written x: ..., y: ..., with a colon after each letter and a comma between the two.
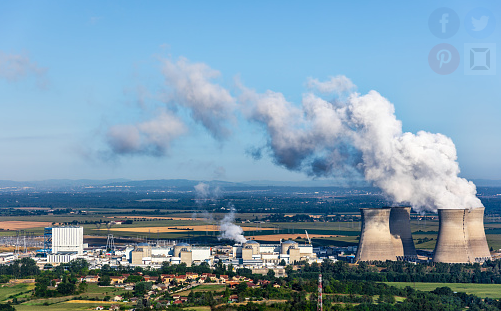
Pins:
x: 152, y: 137
x: 14, y: 67
x: 191, y: 86
x: 334, y: 132
x: 360, y: 134
x: 229, y: 230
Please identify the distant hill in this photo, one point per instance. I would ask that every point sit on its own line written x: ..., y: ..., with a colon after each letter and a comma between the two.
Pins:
x: 487, y: 182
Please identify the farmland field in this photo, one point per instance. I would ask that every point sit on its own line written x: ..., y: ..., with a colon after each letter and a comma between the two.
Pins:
x: 481, y: 290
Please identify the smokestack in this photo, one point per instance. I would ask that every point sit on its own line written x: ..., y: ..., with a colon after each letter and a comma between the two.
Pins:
x: 400, y: 229
x: 478, y: 242
x: 375, y: 238
x: 453, y: 240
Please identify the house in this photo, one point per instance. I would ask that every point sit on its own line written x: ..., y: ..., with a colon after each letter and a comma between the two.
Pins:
x: 117, y: 279
x: 177, y: 302
x: 251, y: 285
x: 183, y: 298
x: 118, y: 298
x: 148, y: 278
x: 160, y: 287
x: 166, y: 278
x: 99, y: 308
x: 180, y: 278
x: 114, y: 307
x: 192, y: 275
x: 223, y: 278
x: 91, y: 279
x: 234, y: 298
x: 176, y: 297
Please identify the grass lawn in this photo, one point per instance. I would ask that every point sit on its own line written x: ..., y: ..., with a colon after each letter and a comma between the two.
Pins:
x: 481, y: 290
x: 204, y: 288
x: 205, y: 308
x: 62, y: 306
x: 8, y: 290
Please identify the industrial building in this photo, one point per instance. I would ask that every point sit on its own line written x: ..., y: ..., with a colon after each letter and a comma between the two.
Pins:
x: 461, y: 236
x: 146, y: 254
x: 253, y: 253
x: 386, y: 235
x: 67, y: 239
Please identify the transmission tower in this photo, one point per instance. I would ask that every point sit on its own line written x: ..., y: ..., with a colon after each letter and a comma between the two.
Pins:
x: 17, y: 242
x: 320, y: 305
x: 110, y: 242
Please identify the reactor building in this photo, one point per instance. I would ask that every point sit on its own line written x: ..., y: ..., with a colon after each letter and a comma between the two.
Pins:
x: 461, y: 236
x: 386, y: 235
x: 67, y: 239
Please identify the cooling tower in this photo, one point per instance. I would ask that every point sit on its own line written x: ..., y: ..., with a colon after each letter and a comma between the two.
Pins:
x: 461, y: 236
x: 478, y: 243
x: 400, y: 229
x: 453, y: 240
x: 375, y: 238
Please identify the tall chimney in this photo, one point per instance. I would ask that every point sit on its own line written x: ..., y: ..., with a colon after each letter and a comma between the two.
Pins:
x: 400, y: 229
x: 478, y: 242
x: 375, y: 239
x: 453, y: 241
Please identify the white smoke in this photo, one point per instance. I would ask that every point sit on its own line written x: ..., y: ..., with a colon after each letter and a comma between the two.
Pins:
x: 191, y: 87
x: 204, y: 192
x: 152, y: 137
x: 345, y: 135
x: 14, y: 67
x: 360, y: 134
x: 229, y: 230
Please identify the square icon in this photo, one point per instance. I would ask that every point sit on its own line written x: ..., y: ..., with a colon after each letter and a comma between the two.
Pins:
x: 479, y: 59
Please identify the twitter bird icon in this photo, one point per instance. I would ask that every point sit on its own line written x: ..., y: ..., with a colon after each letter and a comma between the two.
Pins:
x: 479, y: 24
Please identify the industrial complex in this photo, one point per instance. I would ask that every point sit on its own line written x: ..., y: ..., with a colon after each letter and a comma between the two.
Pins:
x: 385, y: 235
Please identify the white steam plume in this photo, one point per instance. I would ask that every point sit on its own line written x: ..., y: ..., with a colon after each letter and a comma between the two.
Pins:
x: 188, y: 86
x: 359, y: 134
x: 229, y: 230
x: 192, y: 87
x: 14, y: 67
x: 152, y: 137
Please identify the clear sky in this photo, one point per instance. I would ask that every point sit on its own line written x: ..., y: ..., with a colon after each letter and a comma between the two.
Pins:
x: 71, y: 70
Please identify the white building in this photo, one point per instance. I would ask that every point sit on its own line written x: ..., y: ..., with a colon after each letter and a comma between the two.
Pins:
x: 67, y: 239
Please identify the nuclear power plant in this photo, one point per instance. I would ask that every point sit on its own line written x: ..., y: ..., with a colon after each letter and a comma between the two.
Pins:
x: 461, y: 236
x: 386, y: 235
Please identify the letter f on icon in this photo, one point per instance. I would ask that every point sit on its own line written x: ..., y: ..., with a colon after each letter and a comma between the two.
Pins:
x: 444, y: 21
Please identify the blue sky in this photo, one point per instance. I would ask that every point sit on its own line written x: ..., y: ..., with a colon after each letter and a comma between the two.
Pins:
x: 87, y: 66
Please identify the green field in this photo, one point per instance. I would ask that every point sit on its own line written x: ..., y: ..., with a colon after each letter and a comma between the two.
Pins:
x: 204, y: 288
x: 62, y: 306
x: 481, y: 290
x: 8, y: 290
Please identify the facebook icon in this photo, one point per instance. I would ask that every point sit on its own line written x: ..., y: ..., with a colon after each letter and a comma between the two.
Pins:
x: 444, y: 23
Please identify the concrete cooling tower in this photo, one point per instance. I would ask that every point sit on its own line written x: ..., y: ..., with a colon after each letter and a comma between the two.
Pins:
x: 476, y: 232
x: 375, y: 239
x: 461, y: 236
x: 400, y: 229
x: 386, y: 235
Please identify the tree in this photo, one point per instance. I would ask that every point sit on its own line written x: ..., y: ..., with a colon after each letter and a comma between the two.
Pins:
x: 82, y: 287
x: 104, y: 281
x: 270, y: 274
x: 282, y: 263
